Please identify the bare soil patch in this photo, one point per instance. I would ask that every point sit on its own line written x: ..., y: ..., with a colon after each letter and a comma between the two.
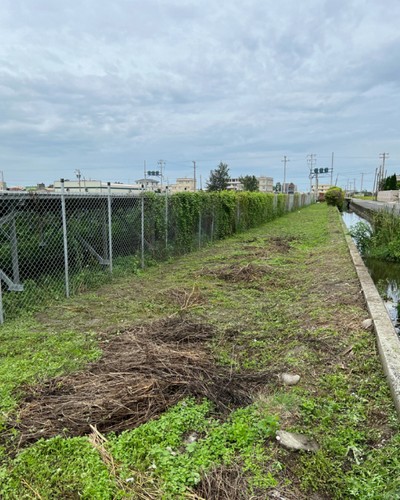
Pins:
x: 281, y: 243
x: 143, y: 371
x: 236, y: 274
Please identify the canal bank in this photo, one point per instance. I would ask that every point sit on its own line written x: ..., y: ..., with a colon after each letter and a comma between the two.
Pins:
x: 385, y: 275
x: 282, y: 299
x: 386, y: 336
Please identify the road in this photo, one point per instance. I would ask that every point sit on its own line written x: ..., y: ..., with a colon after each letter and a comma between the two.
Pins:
x: 377, y: 205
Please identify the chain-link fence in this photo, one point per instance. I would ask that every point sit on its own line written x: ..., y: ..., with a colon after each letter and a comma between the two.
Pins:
x: 54, y: 245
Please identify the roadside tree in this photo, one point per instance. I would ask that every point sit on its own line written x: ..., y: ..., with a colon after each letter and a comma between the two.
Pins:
x: 249, y: 183
x: 219, y: 178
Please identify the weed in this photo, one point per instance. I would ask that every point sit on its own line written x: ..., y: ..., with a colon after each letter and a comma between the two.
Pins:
x: 57, y: 468
x: 186, y: 442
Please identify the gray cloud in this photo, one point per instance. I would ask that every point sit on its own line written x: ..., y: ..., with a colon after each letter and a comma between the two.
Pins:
x: 104, y: 86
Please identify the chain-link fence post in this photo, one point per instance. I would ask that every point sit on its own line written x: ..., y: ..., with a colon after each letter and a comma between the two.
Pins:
x: 1, y: 306
x: 110, y: 254
x: 212, y: 225
x: 166, y: 218
x: 14, y: 252
x: 65, y: 238
x: 199, y: 230
x: 142, y: 227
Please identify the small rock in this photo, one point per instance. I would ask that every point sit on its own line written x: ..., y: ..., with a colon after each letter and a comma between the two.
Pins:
x: 367, y: 324
x: 191, y: 438
x: 290, y: 378
x: 295, y: 441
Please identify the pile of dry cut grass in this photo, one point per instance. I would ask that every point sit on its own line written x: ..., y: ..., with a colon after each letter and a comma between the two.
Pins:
x: 143, y: 371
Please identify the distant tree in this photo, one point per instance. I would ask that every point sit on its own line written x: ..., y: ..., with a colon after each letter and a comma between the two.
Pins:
x: 249, y: 182
x: 335, y: 196
x: 219, y: 178
x: 389, y: 183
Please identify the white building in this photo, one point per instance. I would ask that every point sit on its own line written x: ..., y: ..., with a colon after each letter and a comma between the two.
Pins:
x: 265, y: 184
x: 85, y: 186
x: 234, y: 185
x: 149, y: 184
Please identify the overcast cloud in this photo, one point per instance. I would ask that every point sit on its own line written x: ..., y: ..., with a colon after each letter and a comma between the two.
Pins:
x: 102, y: 86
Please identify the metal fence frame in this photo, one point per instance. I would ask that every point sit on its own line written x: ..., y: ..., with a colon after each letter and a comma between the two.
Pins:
x: 91, y: 232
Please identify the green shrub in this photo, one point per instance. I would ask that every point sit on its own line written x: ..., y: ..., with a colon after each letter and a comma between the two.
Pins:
x: 335, y: 197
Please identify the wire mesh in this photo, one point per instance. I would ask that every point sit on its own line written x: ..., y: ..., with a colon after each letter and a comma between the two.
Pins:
x: 59, y: 244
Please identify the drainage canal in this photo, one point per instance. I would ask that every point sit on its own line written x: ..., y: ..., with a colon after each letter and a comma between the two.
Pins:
x: 386, y: 276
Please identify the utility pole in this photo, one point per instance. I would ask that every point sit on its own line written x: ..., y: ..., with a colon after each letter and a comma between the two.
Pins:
x: 332, y: 167
x: 375, y: 189
x: 78, y: 174
x: 311, y: 160
x: 194, y: 176
x: 161, y: 163
x: 382, y: 172
x: 285, y: 160
x: 383, y: 157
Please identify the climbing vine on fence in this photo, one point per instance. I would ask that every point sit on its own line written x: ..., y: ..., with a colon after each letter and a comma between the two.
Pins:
x: 34, y: 246
x: 230, y: 212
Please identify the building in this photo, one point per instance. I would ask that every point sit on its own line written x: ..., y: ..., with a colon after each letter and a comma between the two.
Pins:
x: 234, y: 185
x: 183, y: 184
x: 289, y: 188
x: 148, y: 184
x: 265, y: 184
x: 90, y: 186
x: 322, y: 188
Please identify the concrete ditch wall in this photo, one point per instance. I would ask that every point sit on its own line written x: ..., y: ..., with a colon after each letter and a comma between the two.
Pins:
x: 388, y: 342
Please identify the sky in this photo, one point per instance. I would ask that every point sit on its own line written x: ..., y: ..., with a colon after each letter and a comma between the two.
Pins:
x: 109, y: 88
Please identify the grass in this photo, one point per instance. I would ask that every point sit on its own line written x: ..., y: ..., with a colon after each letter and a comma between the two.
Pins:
x: 281, y: 298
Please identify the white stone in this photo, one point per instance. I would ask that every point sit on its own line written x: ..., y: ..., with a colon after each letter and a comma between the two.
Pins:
x: 290, y: 378
x: 295, y: 441
x: 367, y: 323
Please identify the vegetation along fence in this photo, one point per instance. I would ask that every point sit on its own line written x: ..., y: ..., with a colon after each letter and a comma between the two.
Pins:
x: 58, y: 244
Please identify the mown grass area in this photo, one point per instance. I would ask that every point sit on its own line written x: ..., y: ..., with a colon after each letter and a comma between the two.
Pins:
x: 280, y: 298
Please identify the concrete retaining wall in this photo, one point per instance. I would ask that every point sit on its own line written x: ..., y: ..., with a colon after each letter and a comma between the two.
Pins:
x: 388, y: 196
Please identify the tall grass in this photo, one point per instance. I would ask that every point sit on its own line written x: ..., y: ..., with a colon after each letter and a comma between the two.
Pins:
x: 383, y: 242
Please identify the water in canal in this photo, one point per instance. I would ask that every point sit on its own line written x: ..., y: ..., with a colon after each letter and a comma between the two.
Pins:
x: 386, y: 276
